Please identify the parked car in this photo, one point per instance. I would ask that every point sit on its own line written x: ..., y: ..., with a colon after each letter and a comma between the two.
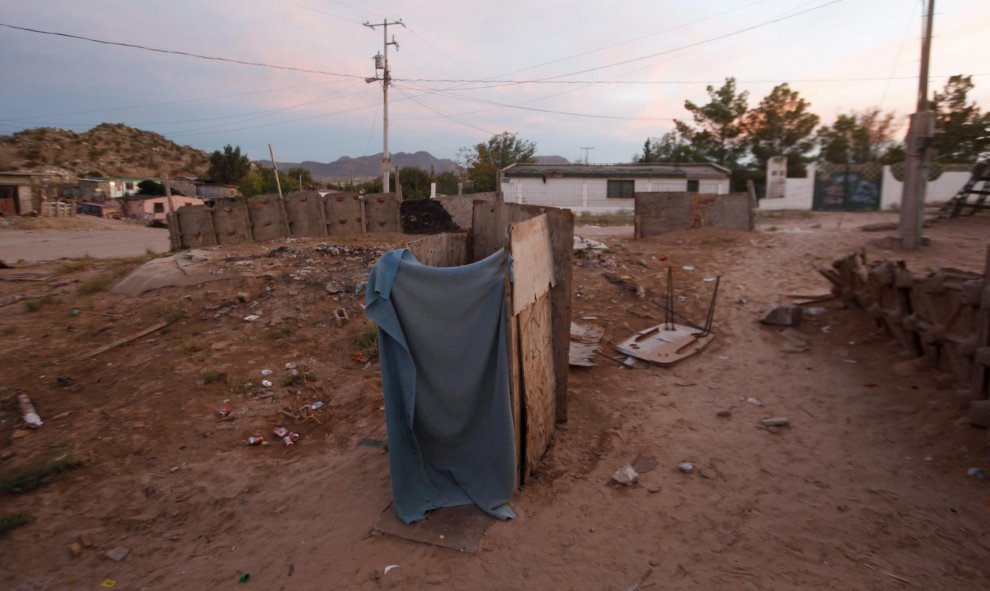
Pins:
x: 100, y: 210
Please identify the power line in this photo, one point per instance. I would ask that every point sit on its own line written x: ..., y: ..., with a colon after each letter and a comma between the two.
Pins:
x: 182, y: 53
x: 539, y: 110
x: 627, y: 41
x: 495, y: 83
x: 696, y: 43
x: 441, y: 113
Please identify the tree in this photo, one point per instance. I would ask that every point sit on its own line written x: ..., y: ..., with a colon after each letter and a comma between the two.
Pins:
x: 857, y: 138
x: 447, y: 182
x: 150, y: 187
x: 297, y: 173
x: 229, y: 166
x: 262, y: 180
x: 669, y: 148
x: 963, y: 133
x: 782, y: 125
x: 483, y: 160
x: 415, y: 182
x: 720, y: 133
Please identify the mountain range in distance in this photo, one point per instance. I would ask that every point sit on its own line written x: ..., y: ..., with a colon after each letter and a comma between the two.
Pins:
x: 366, y: 167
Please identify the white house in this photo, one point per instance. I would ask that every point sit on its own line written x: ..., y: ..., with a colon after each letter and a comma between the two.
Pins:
x: 604, y: 187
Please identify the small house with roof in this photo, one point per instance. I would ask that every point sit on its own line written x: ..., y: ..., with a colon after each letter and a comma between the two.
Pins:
x: 604, y: 187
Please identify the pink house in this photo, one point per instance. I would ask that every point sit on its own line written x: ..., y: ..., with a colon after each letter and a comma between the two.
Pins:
x: 154, y: 209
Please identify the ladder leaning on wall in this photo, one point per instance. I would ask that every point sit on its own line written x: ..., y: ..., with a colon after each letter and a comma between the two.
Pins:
x: 978, y: 186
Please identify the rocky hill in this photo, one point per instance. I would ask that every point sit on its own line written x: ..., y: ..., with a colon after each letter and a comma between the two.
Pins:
x: 109, y: 149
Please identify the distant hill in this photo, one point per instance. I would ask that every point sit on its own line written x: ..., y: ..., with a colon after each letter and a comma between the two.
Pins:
x: 363, y: 167
x: 109, y: 149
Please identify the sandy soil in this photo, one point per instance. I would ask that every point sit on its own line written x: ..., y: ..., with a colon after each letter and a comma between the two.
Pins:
x: 866, y: 490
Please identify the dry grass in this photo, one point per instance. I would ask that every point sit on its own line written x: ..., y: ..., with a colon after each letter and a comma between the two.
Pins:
x: 33, y: 477
x: 612, y: 218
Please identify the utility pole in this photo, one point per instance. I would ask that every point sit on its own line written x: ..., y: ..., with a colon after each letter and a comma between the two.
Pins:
x: 381, y: 63
x: 919, y: 137
x: 586, y: 148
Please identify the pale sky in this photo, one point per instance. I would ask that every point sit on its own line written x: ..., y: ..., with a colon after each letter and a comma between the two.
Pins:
x: 565, y: 75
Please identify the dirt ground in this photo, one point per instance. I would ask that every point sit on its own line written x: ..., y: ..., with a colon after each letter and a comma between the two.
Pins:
x: 867, y: 489
x: 46, y: 239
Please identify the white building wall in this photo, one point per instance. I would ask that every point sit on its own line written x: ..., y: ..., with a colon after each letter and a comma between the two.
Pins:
x: 589, y: 194
x: 943, y: 188
x: 799, y: 193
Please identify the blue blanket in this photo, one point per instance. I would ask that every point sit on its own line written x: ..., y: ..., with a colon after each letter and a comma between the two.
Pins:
x: 445, y: 378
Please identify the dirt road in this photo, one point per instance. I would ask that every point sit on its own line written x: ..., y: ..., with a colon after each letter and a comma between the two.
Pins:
x: 44, y: 245
x: 866, y: 490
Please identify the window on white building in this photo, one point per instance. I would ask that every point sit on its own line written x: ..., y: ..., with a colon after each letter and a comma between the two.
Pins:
x: 620, y: 189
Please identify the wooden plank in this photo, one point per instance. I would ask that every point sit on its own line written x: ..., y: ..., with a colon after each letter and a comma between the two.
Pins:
x: 538, y: 382
x: 124, y: 340
x: 665, y: 345
x: 458, y: 528
x: 515, y: 376
x: 532, y: 265
x: 490, y: 222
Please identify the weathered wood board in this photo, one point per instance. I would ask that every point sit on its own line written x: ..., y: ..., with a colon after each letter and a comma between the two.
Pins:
x: 665, y: 345
x: 533, y: 274
x: 490, y: 223
x: 538, y: 382
x: 532, y: 262
x: 458, y: 528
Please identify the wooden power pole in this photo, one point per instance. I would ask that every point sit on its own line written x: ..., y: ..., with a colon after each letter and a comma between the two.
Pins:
x: 919, y: 139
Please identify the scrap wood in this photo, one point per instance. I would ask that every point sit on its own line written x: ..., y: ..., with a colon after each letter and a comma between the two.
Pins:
x: 811, y: 299
x: 124, y: 340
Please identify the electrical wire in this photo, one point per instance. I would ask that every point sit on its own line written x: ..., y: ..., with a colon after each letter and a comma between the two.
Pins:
x: 182, y: 53
x: 441, y: 113
x: 539, y: 110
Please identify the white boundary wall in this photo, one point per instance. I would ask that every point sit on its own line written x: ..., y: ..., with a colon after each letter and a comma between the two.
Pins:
x: 799, y: 193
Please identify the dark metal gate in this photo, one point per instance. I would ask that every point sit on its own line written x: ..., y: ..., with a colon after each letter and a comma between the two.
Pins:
x: 853, y: 187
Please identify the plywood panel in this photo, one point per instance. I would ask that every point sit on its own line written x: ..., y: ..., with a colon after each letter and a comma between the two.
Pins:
x: 538, y: 382
x: 490, y: 222
x: 532, y: 266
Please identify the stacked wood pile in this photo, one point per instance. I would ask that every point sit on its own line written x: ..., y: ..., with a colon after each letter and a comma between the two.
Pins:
x: 943, y: 317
